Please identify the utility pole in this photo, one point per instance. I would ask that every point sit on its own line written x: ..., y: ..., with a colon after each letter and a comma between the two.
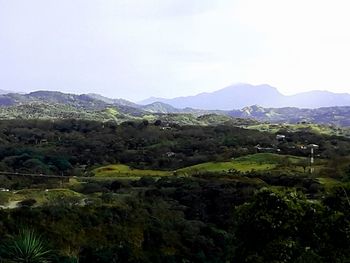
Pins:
x: 312, y: 161
x: 312, y: 156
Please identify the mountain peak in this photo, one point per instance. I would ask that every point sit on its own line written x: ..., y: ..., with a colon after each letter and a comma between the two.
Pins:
x: 240, y: 95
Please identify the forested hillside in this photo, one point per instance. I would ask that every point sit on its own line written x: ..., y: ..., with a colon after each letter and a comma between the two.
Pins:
x: 160, y: 192
x: 52, y: 105
x: 62, y: 146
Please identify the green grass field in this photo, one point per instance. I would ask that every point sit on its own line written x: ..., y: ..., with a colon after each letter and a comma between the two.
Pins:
x: 257, y: 162
x: 329, y: 182
x: 121, y: 170
x: 41, y: 196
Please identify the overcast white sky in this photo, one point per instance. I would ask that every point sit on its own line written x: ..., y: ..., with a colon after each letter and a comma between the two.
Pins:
x: 166, y: 48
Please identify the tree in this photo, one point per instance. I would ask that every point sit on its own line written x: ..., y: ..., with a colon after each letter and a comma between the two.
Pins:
x: 304, y: 163
x: 157, y: 122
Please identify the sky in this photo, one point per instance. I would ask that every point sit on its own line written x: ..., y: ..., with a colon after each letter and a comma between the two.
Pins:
x: 135, y: 49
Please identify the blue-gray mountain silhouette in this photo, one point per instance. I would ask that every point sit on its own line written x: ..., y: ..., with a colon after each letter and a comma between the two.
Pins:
x: 242, y: 95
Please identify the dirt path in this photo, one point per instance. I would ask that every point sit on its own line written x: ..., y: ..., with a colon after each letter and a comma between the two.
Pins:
x: 10, y: 205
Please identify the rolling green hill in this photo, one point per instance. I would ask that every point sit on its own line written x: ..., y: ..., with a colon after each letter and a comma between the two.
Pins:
x: 327, y: 115
x: 258, y: 162
x: 52, y: 104
x: 121, y: 170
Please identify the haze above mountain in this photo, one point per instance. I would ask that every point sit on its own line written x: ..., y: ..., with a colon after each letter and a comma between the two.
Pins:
x: 242, y: 95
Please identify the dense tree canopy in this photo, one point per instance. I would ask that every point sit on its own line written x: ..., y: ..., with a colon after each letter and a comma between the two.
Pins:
x: 72, y: 146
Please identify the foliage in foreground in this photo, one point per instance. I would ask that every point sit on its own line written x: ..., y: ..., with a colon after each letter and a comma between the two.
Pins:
x: 194, y: 220
x: 26, y: 247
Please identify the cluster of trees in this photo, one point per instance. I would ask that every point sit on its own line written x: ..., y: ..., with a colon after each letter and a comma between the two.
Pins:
x: 206, y: 218
x: 74, y: 146
x: 189, y: 220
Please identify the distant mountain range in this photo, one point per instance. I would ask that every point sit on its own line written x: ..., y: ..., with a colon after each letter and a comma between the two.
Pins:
x: 91, y: 102
x: 4, y: 91
x: 242, y: 95
x: 53, y: 105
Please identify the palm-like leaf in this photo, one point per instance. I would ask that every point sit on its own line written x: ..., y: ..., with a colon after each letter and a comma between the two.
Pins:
x: 28, y: 247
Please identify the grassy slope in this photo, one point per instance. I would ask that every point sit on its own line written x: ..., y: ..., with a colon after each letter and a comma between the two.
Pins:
x: 121, y: 170
x: 315, y: 128
x: 329, y: 182
x: 258, y: 162
x: 41, y: 196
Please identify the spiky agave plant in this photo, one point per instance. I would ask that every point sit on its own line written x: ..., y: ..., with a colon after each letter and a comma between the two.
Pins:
x: 27, y: 247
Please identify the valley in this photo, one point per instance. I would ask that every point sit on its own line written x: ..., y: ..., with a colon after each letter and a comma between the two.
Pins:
x: 157, y: 187
x: 174, y: 131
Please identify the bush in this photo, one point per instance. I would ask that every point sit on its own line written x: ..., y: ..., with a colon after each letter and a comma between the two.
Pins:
x: 27, y: 247
x: 27, y: 203
x: 90, y: 188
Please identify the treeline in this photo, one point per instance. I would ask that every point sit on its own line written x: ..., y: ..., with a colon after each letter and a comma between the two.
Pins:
x: 72, y: 147
x: 189, y: 220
